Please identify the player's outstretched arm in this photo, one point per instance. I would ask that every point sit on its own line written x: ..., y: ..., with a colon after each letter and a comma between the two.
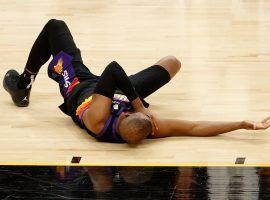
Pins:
x: 174, y: 127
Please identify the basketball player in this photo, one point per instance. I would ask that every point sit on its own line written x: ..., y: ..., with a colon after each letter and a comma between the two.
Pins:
x: 109, y: 107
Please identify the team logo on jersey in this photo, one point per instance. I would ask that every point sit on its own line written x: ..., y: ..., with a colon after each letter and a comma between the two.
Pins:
x: 73, y: 84
x: 121, y: 97
x: 64, y: 72
x: 58, y: 68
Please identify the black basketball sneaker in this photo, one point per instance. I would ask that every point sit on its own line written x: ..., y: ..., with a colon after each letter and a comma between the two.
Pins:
x: 19, y: 96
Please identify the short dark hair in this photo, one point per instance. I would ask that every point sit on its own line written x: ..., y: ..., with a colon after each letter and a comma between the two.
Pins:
x: 135, y: 128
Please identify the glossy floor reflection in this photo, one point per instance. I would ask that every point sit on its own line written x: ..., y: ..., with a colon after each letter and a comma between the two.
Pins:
x: 134, y: 183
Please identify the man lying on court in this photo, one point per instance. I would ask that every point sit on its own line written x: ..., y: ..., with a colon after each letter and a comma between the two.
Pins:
x: 109, y: 107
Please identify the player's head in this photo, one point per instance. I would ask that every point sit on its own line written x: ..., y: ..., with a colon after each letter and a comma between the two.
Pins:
x: 135, y: 127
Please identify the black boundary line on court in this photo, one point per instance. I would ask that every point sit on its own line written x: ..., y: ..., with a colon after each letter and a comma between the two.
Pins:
x: 240, y: 160
x: 76, y: 159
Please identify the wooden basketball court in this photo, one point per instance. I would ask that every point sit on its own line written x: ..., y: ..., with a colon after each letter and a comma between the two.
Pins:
x: 225, y: 54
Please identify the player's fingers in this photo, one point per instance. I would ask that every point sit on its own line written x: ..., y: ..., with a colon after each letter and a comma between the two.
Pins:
x: 267, y: 125
x: 266, y: 119
x: 155, y: 124
x: 258, y: 126
x: 262, y: 126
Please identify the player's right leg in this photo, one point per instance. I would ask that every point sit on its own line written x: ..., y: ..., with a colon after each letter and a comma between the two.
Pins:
x: 54, y: 37
x: 171, y: 64
x: 152, y: 78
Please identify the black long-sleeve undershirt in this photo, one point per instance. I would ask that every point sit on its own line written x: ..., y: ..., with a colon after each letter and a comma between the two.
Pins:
x: 115, y: 77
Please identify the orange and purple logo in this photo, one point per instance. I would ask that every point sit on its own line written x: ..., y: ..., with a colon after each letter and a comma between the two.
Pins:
x: 58, y: 68
x: 62, y: 65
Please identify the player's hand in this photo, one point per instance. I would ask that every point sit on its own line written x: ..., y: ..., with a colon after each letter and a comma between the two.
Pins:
x: 251, y: 125
x: 147, y: 112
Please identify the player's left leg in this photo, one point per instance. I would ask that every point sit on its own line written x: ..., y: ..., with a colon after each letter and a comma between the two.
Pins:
x: 54, y: 37
x: 152, y: 78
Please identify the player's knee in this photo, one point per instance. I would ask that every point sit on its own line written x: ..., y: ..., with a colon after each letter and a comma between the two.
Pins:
x: 171, y: 64
x: 51, y: 22
x: 113, y: 64
x: 175, y: 63
x: 54, y: 24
